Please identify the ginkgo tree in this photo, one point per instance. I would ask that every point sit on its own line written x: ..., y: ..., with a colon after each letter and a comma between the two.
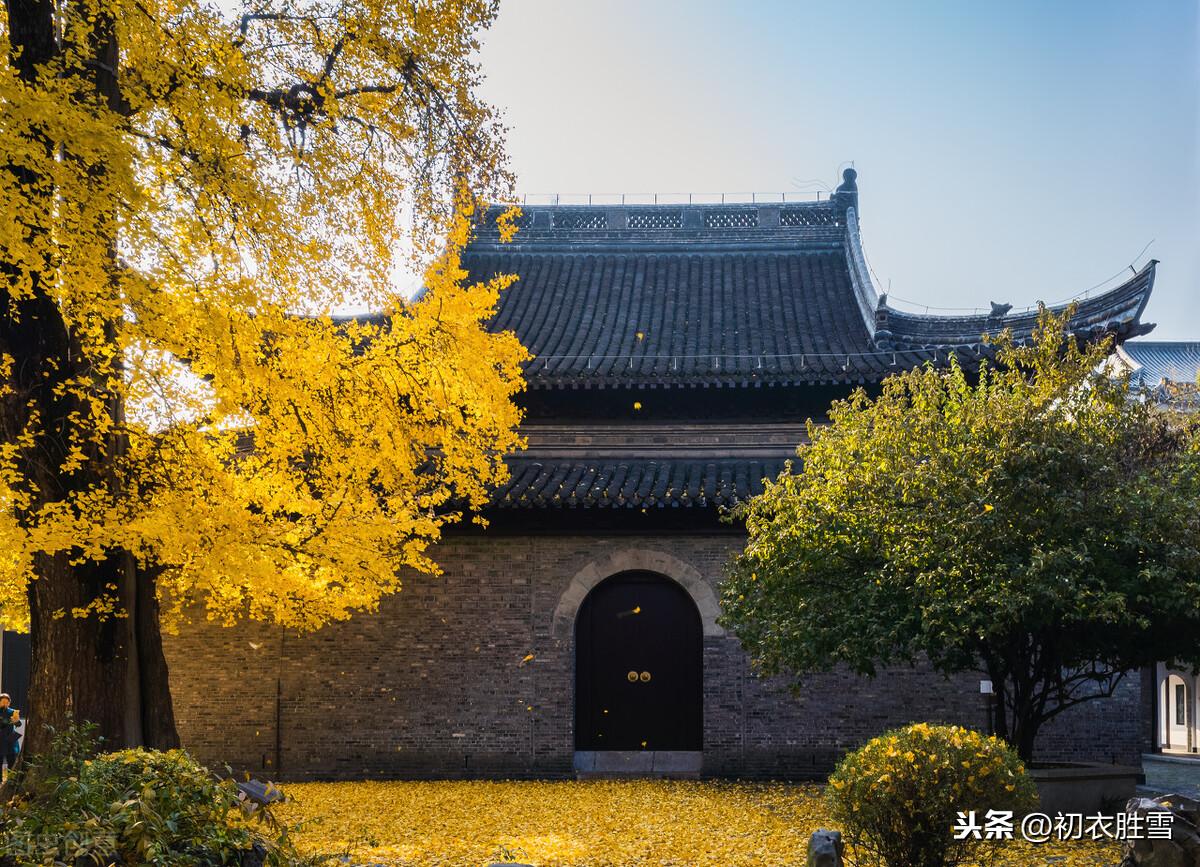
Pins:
x: 190, y: 193
x: 1035, y: 521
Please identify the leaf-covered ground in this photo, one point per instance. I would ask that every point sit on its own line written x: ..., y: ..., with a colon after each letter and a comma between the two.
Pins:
x: 436, y: 824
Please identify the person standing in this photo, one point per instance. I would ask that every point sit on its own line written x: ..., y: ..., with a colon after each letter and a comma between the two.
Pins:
x: 10, y: 718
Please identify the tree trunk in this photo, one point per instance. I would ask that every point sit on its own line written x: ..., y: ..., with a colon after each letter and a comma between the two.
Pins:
x: 1024, y: 734
x: 109, y: 670
x: 1017, y: 719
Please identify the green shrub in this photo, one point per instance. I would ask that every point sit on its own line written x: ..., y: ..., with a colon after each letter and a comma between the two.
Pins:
x: 898, y: 797
x: 76, y: 806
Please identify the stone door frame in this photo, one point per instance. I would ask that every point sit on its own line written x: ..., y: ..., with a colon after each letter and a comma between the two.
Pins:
x: 635, y: 560
x: 686, y: 764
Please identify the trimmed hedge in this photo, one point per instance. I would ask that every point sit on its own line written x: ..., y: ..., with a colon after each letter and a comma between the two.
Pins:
x: 898, y: 797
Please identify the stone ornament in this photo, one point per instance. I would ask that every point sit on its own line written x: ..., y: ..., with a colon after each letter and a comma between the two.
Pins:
x: 825, y: 849
x: 1182, y: 850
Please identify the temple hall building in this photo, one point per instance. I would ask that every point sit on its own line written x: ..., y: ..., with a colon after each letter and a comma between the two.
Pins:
x: 678, y: 351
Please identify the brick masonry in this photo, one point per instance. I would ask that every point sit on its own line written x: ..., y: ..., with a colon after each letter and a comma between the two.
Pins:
x: 433, y: 685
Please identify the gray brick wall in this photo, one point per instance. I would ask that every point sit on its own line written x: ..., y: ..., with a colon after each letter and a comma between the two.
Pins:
x: 433, y: 684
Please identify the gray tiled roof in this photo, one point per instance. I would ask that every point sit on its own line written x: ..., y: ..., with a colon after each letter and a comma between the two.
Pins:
x: 1154, y: 361
x: 632, y: 484
x: 609, y: 318
x: 708, y: 295
x: 1117, y: 311
x: 774, y: 294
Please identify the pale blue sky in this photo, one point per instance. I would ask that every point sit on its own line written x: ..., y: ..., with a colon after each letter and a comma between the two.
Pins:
x: 1010, y: 151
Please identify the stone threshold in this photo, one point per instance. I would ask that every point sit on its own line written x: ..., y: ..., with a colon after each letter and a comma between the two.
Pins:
x: 1172, y: 758
x: 663, y: 764
x: 1172, y: 773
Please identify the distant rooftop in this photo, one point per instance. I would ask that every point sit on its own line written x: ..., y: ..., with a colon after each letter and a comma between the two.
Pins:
x: 1152, y: 362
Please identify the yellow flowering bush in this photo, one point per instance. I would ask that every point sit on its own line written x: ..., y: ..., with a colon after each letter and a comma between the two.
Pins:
x: 898, y: 797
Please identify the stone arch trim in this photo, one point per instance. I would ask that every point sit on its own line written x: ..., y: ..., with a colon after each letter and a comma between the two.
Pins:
x: 642, y: 560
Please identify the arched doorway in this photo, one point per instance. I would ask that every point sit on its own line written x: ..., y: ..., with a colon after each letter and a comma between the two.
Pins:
x: 639, y: 666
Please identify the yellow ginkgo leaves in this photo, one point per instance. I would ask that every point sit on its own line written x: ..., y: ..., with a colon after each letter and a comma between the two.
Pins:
x: 599, y: 824
x: 182, y: 239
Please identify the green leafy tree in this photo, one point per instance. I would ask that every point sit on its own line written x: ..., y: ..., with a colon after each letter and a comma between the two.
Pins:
x: 1030, y: 520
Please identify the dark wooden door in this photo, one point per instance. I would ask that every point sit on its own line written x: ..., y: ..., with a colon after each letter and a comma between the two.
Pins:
x: 638, y: 666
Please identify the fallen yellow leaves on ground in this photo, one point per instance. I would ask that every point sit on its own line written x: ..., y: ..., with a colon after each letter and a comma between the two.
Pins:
x: 595, y: 823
